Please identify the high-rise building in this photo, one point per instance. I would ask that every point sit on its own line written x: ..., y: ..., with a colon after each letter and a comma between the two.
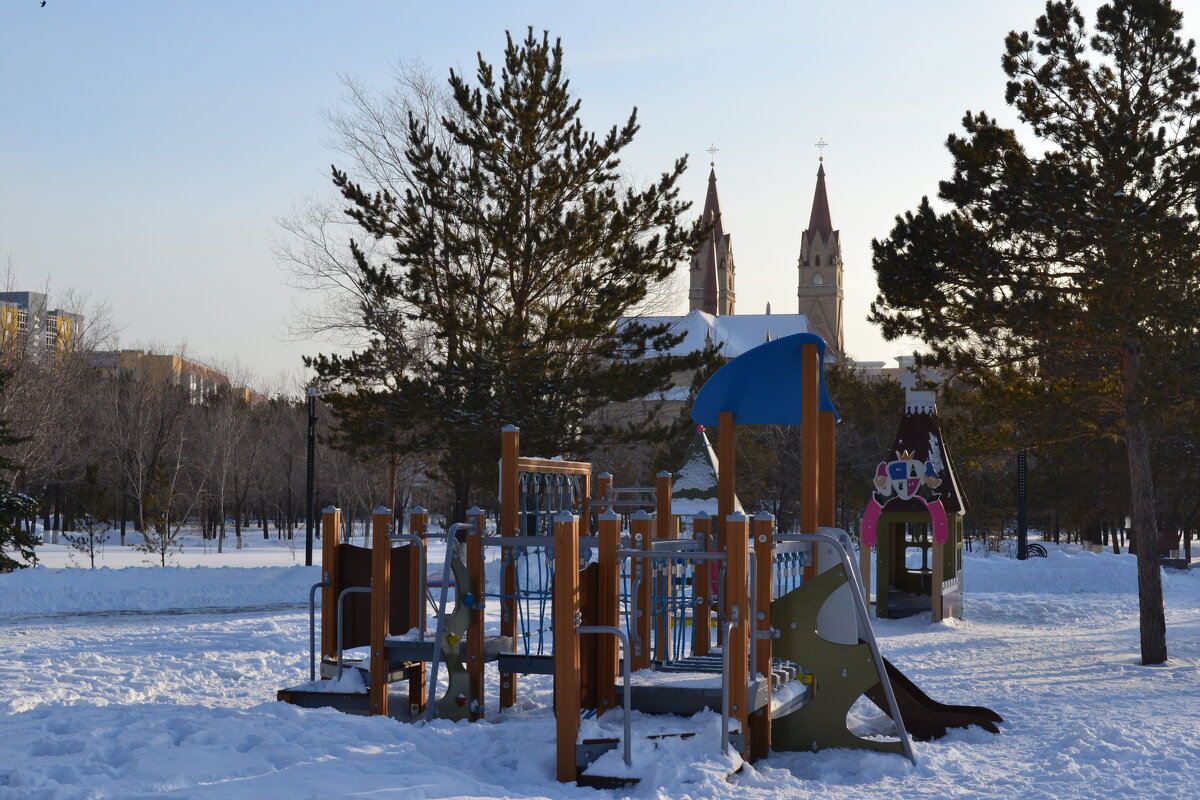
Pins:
x: 24, y: 317
x: 820, y: 267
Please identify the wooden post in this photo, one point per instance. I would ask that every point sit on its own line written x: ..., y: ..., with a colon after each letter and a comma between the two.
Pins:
x: 608, y: 597
x: 763, y: 528
x: 664, y: 570
x: 381, y: 584
x: 665, y: 527
x: 810, y: 465
x: 639, y: 529
x: 477, y: 518
x: 737, y: 568
x: 726, y: 492
x: 418, y: 523
x: 566, y: 642
x: 510, y: 450
x: 702, y: 580
x: 331, y: 529
x: 604, y: 485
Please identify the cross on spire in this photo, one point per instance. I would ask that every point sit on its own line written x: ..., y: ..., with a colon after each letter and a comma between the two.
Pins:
x: 821, y: 145
x: 712, y: 155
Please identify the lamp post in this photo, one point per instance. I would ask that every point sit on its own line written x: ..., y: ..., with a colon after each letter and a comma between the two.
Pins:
x: 1022, y: 507
x: 312, y: 394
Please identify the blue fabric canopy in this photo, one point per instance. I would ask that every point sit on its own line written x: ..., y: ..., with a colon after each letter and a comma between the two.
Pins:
x: 762, y: 386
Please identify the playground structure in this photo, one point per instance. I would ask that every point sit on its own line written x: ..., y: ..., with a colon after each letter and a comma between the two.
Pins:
x: 914, y: 520
x: 793, y: 645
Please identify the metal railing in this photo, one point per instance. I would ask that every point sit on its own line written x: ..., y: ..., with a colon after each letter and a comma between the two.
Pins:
x: 627, y: 695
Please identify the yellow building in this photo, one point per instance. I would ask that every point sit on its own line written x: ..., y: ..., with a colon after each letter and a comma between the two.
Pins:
x: 199, y: 381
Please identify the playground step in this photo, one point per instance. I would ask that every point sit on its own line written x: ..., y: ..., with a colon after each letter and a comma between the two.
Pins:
x: 693, y: 684
x: 406, y: 648
x: 589, y: 750
x: 522, y: 664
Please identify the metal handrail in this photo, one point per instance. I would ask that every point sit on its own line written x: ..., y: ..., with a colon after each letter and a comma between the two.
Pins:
x: 341, y: 597
x: 727, y: 630
x: 634, y: 590
x: 671, y: 555
x: 440, y: 629
x: 860, y: 609
x: 626, y: 700
x: 312, y: 628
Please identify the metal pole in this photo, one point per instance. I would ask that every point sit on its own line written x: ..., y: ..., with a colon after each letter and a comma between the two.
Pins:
x: 312, y: 629
x: 625, y: 670
x: 1022, y: 507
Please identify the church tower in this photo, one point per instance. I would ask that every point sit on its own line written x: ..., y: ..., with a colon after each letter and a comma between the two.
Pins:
x: 820, y: 266
x: 711, y: 274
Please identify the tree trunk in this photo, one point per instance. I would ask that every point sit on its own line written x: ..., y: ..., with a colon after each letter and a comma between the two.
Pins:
x: 1152, y: 618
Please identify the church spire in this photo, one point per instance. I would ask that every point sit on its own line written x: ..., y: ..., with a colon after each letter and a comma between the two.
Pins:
x: 820, y: 270
x: 712, y: 268
x: 819, y: 221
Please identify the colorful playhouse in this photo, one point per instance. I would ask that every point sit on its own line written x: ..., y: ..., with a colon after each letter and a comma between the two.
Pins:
x: 914, y: 520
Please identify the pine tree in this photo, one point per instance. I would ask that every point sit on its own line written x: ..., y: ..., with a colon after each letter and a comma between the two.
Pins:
x: 94, y: 526
x: 17, y: 546
x: 1086, y: 254
x: 514, y: 247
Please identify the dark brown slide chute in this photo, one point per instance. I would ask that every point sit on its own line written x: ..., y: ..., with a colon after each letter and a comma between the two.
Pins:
x: 924, y: 717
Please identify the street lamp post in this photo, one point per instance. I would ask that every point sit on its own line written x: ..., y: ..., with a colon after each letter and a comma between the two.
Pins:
x: 1022, y: 507
x: 312, y: 394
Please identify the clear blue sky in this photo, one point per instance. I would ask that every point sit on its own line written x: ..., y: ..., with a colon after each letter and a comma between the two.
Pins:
x: 148, y: 147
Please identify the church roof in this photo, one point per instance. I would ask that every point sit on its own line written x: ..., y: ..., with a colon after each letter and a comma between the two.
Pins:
x: 819, y: 220
x: 732, y: 334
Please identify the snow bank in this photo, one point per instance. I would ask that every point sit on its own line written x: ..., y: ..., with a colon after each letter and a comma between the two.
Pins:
x: 1061, y: 572
x: 41, y: 590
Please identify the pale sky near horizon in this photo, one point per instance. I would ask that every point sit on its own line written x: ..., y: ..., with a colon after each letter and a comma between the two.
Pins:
x: 149, y: 148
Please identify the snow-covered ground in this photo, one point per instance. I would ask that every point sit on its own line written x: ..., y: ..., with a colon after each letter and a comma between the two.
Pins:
x: 141, y: 682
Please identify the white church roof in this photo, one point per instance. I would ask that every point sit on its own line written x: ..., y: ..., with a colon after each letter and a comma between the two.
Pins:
x: 732, y: 334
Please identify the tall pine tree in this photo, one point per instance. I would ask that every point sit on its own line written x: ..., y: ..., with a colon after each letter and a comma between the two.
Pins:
x: 1084, y: 255
x: 512, y: 249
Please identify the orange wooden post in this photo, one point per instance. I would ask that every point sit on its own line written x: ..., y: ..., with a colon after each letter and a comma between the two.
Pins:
x: 609, y: 612
x: 763, y: 529
x: 477, y: 518
x: 604, y: 485
x: 726, y: 491
x: 418, y: 523
x: 381, y: 584
x: 566, y: 642
x: 664, y: 528
x: 810, y: 464
x: 639, y: 529
x: 331, y: 528
x: 702, y: 578
x: 737, y: 569
x: 510, y: 451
